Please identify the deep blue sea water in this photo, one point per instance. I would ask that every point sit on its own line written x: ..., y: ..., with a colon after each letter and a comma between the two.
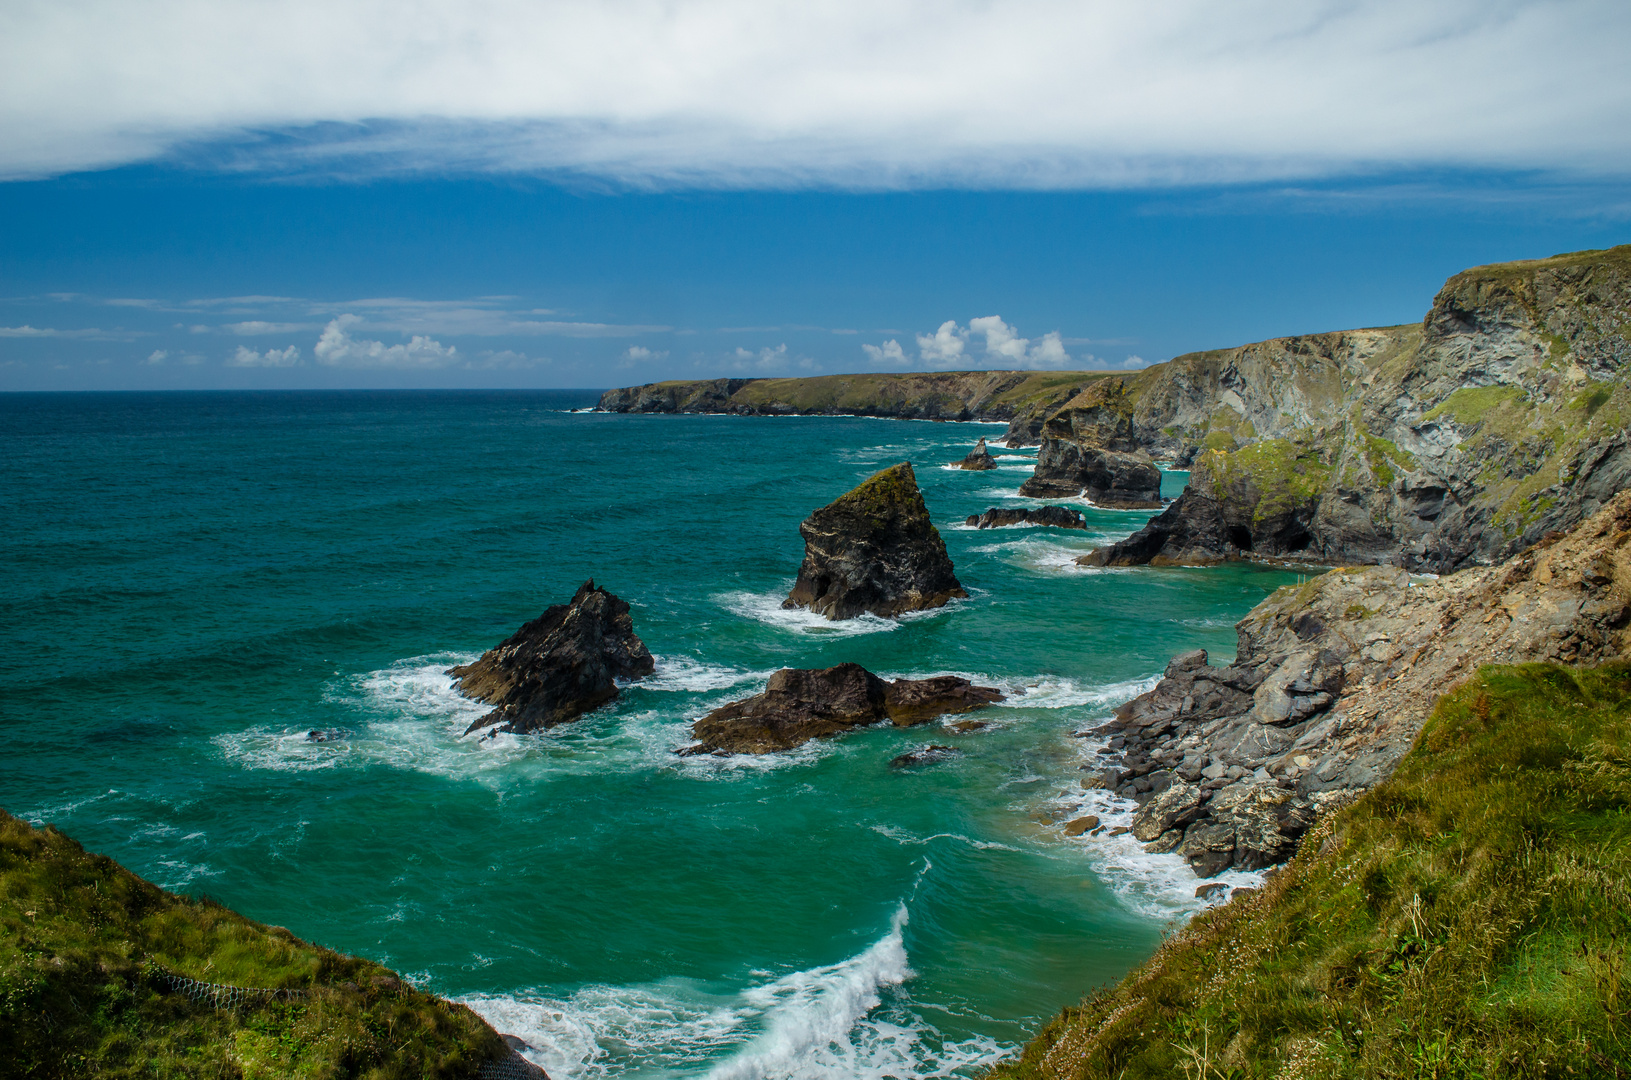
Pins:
x: 194, y: 581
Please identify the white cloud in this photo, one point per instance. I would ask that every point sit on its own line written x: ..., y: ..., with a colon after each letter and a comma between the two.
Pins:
x: 158, y: 356
x: 1133, y: 362
x: 889, y: 352
x: 337, y: 348
x: 256, y: 326
x: 247, y: 357
x: 640, y: 352
x: 770, y: 359
x: 26, y: 331
x: 1034, y: 93
x: 944, y: 347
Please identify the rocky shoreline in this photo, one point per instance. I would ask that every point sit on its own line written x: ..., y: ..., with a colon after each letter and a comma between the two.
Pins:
x: 1333, y: 680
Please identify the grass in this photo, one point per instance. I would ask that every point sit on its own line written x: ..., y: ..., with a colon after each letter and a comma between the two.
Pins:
x: 1287, y: 475
x: 84, y: 947
x: 1469, y: 918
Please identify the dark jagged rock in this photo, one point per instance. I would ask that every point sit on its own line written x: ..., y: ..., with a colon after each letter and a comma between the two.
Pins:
x: 923, y: 755
x: 1059, y: 517
x: 801, y: 704
x: 874, y: 551
x: 979, y: 458
x: 1333, y: 680
x: 558, y: 666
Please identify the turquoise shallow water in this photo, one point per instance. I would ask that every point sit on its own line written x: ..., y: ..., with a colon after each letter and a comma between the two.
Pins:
x: 194, y: 581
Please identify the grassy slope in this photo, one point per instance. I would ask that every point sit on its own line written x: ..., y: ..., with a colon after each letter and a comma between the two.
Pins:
x: 1468, y: 918
x: 843, y: 393
x: 83, y: 943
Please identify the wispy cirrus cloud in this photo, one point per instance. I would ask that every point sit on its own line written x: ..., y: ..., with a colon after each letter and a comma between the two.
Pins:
x: 849, y: 93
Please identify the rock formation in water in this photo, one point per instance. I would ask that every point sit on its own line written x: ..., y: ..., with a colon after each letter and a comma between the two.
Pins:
x: 874, y: 551
x: 924, y: 755
x: 1093, y: 451
x: 979, y: 458
x: 1333, y: 680
x: 803, y: 704
x: 1060, y: 517
x: 558, y: 666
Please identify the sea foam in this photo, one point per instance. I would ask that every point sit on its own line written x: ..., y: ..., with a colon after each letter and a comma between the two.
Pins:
x: 823, y: 1023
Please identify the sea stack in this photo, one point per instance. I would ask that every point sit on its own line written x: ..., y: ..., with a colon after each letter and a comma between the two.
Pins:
x: 979, y: 459
x: 1059, y: 517
x: 803, y: 704
x: 874, y: 551
x: 558, y: 666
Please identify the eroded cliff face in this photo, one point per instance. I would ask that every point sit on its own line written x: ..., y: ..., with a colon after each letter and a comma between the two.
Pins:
x: 1021, y: 398
x: 1501, y: 417
x: 1333, y: 680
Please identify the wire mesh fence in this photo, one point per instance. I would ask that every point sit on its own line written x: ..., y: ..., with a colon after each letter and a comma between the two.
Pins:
x: 223, y: 996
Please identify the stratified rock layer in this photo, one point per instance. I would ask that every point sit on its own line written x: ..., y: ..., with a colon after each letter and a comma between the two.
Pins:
x: 1333, y: 680
x: 979, y: 459
x: 801, y: 704
x: 1059, y: 517
x: 874, y: 551
x: 558, y: 666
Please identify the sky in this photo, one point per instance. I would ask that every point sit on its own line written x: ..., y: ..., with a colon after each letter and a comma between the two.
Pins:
x: 294, y: 194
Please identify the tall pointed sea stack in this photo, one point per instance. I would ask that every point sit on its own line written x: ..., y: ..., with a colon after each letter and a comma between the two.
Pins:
x: 874, y: 551
x: 558, y: 666
x: 979, y: 459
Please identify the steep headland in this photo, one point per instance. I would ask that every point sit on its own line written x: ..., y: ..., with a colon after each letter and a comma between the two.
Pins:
x: 874, y: 550
x: 1333, y: 680
x: 1499, y: 418
x: 1021, y: 398
x: 1469, y: 917
x: 105, y: 974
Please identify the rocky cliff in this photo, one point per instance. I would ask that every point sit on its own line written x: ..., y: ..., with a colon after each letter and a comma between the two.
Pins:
x: 1456, y: 442
x: 1333, y: 680
x: 1021, y: 398
x: 874, y: 550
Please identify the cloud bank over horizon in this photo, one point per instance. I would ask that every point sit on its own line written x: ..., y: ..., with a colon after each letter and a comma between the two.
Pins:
x: 1036, y: 94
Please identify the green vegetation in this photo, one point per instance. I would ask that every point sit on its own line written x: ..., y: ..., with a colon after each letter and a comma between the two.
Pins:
x: 1469, y: 918
x: 868, y: 392
x: 85, y: 948
x: 1287, y: 475
x: 1383, y: 454
x: 1474, y: 404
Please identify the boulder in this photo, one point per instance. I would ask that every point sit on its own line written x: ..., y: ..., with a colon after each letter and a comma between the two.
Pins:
x: 1171, y: 809
x: 1122, y: 479
x: 1058, y: 516
x: 979, y: 459
x: 803, y: 704
x: 874, y: 551
x: 1082, y: 825
x: 558, y: 666
x: 924, y: 755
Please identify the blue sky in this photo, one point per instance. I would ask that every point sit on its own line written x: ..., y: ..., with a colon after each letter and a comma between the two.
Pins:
x: 500, y: 194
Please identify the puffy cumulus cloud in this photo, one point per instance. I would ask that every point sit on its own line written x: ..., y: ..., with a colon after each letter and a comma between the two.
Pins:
x: 944, y: 347
x: 947, y: 347
x: 1134, y: 361
x: 640, y: 352
x: 770, y: 359
x: 247, y: 357
x: 158, y: 356
x: 1035, y: 93
x: 337, y: 348
x: 889, y: 352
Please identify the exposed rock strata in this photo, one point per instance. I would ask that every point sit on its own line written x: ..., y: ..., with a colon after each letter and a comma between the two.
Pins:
x: 1092, y: 450
x: 1059, y: 517
x: 979, y: 459
x: 1334, y: 679
x: 1023, y: 399
x: 1454, y: 442
x: 558, y: 666
x: 803, y: 704
x: 874, y: 551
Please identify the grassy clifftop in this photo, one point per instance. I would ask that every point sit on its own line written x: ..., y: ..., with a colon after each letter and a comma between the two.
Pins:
x: 1468, y: 918
x: 88, y: 949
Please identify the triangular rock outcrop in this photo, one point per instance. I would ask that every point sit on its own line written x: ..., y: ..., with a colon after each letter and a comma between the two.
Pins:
x: 979, y: 459
x: 874, y: 551
x: 558, y: 666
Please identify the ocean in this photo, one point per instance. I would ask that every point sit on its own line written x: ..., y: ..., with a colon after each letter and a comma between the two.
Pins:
x: 193, y: 582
